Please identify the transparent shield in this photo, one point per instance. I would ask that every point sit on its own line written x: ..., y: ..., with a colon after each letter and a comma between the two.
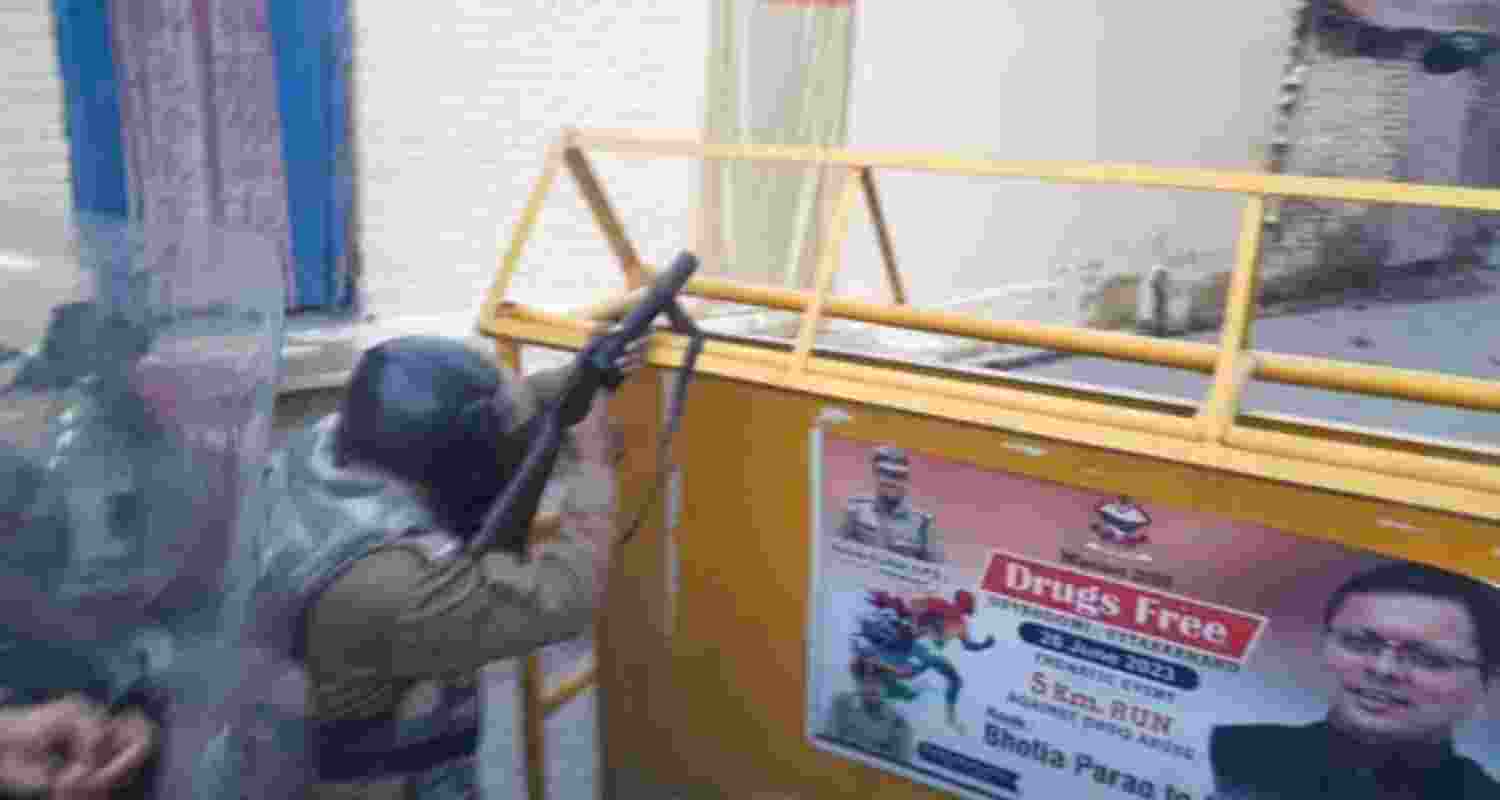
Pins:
x: 134, y: 428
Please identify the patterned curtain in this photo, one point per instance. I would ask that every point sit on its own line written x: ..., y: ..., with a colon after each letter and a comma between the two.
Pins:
x: 778, y: 73
x: 228, y: 112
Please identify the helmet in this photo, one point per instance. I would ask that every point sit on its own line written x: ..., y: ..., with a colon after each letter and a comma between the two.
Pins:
x: 437, y: 414
x: 891, y: 462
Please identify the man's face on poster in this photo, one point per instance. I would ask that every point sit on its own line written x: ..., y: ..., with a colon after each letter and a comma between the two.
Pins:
x: 890, y: 488
x: 1408, y: 666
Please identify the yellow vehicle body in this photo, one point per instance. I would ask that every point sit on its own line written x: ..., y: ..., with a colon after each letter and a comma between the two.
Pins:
x: 701, y: 649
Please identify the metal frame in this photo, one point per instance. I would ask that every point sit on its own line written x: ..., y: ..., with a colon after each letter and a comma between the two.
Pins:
x: 1447, y: 477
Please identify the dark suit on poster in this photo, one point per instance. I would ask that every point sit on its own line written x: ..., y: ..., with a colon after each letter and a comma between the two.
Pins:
x: 1289, y: 762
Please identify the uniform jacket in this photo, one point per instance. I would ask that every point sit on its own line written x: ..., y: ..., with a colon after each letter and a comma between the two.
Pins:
x: 902, y: 529
x: 394, y: 619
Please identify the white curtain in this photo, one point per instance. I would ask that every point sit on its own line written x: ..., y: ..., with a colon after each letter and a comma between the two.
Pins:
x: 778, y: 73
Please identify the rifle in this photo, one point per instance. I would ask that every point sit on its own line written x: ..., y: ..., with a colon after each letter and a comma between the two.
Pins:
x: 593, y: 367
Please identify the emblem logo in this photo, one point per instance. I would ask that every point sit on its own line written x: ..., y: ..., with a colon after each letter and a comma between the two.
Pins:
x: 1121, y: 529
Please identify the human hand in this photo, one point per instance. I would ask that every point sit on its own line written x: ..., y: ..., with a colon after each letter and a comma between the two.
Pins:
x: 70, y: 749
x: 629, y: 361
x: 37, y: 742
x: 127, y: 741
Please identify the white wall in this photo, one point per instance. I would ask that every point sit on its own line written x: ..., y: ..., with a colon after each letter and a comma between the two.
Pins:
x: 455, y: 105
x: 1185, y: 84
x: 457, y: 102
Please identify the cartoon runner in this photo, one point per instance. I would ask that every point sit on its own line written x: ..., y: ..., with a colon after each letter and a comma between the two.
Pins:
x: 902, y: 641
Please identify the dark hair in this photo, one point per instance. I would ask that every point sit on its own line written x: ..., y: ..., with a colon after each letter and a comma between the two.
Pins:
x: 1480, y: 599
x: 862, y: 669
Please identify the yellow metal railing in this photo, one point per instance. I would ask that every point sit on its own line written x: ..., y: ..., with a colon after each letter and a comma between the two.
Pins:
x: 1447, y: 477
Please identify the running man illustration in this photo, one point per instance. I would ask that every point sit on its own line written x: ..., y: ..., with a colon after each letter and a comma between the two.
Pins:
x: 902, y: 640
x: 887, y: 519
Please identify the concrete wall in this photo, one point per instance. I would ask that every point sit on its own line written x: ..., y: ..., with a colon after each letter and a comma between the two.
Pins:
x: 1170, y: 84
x: 455, y: 106
x: 1384, y: 118
x: 451, y: 140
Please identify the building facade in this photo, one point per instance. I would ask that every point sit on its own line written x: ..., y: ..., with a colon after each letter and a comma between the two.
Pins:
x: 1357, y: 103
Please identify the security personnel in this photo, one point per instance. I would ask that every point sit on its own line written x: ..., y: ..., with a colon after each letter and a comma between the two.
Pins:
x: 54, y: 692
x: 368, y: 565
x: 865, y: 720
x: 887, y: 520
x: 118, y: 533
x: 102, y: 753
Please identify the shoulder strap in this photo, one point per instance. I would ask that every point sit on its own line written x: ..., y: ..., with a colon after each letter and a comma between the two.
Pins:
x: 684, y: 324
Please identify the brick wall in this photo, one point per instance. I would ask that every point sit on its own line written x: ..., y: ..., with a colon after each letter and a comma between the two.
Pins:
x: 1351, y: 119
x: 1385, y: 119
x: 1481, y: 155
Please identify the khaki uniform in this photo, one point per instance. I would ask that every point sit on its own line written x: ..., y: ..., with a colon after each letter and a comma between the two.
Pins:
x: 415, y: 618
x: 881, y: 731
x: 901, y: 529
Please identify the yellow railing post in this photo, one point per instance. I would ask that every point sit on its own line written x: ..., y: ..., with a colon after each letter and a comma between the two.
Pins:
x: 604, y: 214
x: 525, y: 224
x: 1230, y: 375
x: 828, y: 264
x: 882, y: 235
x: 534, y: 723
x: 576, y: 684
x: 530, y: 689
x: 536, y: 703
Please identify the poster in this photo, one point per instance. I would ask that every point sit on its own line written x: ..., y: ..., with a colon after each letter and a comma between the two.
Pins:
x: 1018, y: 638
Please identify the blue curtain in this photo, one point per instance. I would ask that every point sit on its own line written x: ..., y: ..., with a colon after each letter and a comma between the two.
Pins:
x: 235, y: 112
x: 92, y: 107
x: 312, y: 59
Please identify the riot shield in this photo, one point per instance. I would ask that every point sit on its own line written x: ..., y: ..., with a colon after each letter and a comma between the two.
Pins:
x: 135, y: 420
